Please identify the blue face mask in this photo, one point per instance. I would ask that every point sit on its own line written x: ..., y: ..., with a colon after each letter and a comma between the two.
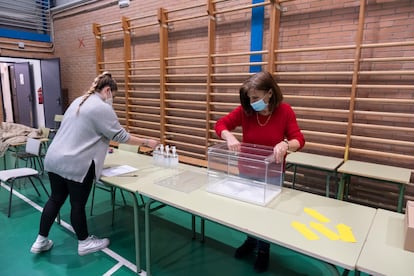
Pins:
x: 259, y: 105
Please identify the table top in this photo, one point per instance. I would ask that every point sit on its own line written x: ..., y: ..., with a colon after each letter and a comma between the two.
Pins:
x: 271, y: 222
x: 376, y: 171
x: 314, y: 160
x: 383, y: 252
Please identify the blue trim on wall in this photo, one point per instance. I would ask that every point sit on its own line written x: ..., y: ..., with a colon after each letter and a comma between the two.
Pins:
x: 256, y: 35
x: 24, y: 35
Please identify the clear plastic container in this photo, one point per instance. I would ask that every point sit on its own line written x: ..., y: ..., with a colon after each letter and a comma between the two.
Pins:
x: 250, y: 175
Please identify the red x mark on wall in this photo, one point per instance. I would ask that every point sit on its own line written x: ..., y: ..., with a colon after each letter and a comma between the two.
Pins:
x: 81, y: 44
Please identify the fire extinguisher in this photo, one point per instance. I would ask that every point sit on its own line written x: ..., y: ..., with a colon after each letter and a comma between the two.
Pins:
x: 40, y: 95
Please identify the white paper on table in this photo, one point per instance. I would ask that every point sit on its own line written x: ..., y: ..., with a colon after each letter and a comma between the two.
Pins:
x: 118, y: 170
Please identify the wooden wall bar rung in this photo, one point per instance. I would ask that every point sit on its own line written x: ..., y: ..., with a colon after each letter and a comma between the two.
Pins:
x: 311, y: 73
x: 388, y: 44
x: 186, y: 8
x: 156, y: 132
x: 385, y: 59
x: 188, y: 136
x: 185, y: 110
x: 185, y: 75
x: 184, y: 93
x: 144, y: 68
x: 147, y: 92
x: 242, y: 8
x: 321, y: 146
x: 240, y: 54
x: 225, y: 84
x: 111, y: 62
x: 186, y: 57
x: 144, y: 25
x: 324, y: 134
x: 383, y: 141
x: 315, y: 85
x: 196, y: 16
x: 239, y: 64
x: 185, y: 119
x: 145, y: 83
x: 142, y: 107
x: 154, y: 15
x: 381, y: 154
x: 146, y: 100
x: 389, y: 72
x: 312, y: 49
x: 185, y: 127
x: 110, y: 31
x: 225, y: 95
x: 327, y: 110
x: 202, y: 103
x: 186, y: 66
x: 185, y: 84
x: 145, y: 60
x: 110, y: 23
x: 386, y: 100
x: 154, y: 116
x: 385, y: 86
x: 313, y: 61
x: 234, y: 74
x: 145, y: 76
x: 384, y: 114
x: 312, y: 97
x: 322, y: 122
x: 383, y: 127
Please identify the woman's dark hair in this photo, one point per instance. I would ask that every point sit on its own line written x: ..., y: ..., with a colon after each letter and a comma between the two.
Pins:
x: 260, y: 81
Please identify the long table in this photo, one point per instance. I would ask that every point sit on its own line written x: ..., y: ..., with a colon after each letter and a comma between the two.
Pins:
x: 383, y: 252
x: 271, y: 223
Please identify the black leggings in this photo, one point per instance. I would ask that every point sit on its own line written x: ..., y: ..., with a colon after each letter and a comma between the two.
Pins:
x: 78, y: 192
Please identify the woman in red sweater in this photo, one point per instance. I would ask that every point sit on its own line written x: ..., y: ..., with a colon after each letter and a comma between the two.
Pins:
x: 265, y: 120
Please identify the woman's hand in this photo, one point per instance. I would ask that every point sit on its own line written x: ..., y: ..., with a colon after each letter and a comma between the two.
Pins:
x: 280, y: 150
x: 232, y: 143
x: 152, y: 143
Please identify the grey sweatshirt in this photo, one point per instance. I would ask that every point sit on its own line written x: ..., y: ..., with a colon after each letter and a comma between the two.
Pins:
x: 84, y: 137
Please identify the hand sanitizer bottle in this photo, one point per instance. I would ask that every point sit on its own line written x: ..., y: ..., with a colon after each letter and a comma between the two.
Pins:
x: 161, y: 156
x: 156, y: 155
x: 167, y: 156
x: 174, y: 157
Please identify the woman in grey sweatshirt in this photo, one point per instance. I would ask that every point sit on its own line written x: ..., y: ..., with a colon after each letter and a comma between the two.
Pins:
x: 76, y: 157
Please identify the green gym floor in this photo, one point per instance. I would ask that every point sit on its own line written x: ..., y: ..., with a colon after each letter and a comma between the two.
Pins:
x: 174, y: 252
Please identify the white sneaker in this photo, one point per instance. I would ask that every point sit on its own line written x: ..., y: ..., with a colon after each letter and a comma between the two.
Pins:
x: 41, y: 244
x: 91, y: 244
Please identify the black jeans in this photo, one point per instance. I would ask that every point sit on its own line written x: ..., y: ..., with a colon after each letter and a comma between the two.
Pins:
x: 78, y: 193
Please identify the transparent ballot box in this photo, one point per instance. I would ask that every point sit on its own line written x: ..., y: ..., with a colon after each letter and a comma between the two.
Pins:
x: 250, y: 175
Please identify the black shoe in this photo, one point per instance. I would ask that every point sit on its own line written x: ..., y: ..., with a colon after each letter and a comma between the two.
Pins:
x: 244, y: 250
x: 262, y: 261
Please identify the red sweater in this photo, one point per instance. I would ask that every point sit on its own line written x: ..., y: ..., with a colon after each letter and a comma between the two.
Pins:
x: 281, y: 125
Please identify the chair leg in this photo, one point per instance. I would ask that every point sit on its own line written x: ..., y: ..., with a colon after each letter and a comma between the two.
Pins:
x: 10, y: 197
x: 43, y: 185
x: 34, y: 186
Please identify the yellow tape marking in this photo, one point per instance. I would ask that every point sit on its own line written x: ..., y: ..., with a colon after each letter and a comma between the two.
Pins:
x: 345, y: 233
x: 304, y: 230
x: 324, y: 230
x: 315, y: 214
